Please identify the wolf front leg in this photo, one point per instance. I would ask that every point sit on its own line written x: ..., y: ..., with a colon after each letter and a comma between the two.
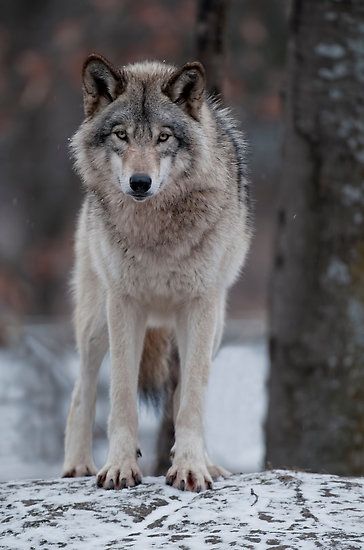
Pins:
x: 126, y: 334
x: 92, y: 343
x: 196, y: 328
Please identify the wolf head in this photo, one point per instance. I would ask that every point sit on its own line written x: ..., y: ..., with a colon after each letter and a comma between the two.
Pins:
x: 142, y: 125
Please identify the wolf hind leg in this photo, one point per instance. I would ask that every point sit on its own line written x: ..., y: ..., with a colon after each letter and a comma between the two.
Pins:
x: 166, y: 431
x: 155, y: 364
x: 220, y: 323
x: 92, y: 343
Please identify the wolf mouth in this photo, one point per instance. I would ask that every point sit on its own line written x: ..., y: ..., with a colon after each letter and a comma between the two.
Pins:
x: 138, y: 197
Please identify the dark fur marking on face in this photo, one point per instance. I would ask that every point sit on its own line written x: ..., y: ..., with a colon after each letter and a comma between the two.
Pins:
x: 179, y: 128
x: 141, y: 114
x: 144, y: 114
x: 105, y: 125
x: 180, y: 132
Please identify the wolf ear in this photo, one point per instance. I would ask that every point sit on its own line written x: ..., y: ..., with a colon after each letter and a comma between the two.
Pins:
x: 102, y: 83
x: 186, y: 88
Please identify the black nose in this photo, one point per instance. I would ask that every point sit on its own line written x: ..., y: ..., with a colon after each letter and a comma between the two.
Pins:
x: 140, y: 183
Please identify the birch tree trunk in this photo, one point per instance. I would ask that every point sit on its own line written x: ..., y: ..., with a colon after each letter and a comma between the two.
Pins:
x: 316, y: 405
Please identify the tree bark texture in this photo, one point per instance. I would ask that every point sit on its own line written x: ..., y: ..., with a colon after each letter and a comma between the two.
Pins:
x: 316, y: 390
x: 211, y: 22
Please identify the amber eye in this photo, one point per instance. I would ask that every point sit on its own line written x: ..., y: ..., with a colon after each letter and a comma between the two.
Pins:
x: 163, y: 136
x: 121, y: 134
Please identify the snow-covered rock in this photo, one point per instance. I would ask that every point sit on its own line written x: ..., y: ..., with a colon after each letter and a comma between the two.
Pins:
x: 275, y: 509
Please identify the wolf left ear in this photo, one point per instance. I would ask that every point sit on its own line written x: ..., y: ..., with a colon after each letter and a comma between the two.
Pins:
x: 186, y: 88
x: 102, y: 83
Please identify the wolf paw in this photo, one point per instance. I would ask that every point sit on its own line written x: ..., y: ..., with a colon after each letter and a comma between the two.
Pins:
x: 79, y: 470
x: 189, y: 476
x: 114, y: 476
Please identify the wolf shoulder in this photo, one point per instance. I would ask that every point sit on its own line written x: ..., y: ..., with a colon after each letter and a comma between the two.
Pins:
x: 232, y: 148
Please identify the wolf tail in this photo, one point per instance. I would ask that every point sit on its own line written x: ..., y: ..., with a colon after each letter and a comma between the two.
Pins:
x: 158, y: 372
x: 158, y: 378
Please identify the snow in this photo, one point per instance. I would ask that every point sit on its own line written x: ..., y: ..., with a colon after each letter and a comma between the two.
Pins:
x: 353, y: 195
x: 236, y: 407
x: 274, y: 509
x: 338, y: 272
x: 332, y: 51
x: 35, y: 389
x: 338, y: 71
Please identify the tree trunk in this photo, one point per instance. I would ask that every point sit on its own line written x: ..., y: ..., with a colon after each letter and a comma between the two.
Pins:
x: 316, y: 404
x: 211, y: 19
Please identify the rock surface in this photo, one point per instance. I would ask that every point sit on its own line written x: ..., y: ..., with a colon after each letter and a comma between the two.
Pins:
x: 274, y: 509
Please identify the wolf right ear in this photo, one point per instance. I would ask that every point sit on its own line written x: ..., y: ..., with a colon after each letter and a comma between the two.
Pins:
x: 186, y: 88
x: 102, y: 83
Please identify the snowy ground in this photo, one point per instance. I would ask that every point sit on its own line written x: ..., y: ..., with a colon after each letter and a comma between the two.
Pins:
x: 279, y: 510
x: 35, y: 387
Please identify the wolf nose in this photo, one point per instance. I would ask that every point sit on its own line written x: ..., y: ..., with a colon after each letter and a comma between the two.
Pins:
x: 140, y: 183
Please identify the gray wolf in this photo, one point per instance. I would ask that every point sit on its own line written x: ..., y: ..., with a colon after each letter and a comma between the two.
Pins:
x: 162, y: 234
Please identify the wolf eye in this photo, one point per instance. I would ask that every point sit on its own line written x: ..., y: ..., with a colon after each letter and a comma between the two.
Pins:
x: 163, y: 136
x: 121, y: 134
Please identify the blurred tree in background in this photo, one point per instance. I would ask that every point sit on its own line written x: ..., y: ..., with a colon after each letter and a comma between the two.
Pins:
x: 211, y: 39
x: 316, y: 407
x: 43, y: 45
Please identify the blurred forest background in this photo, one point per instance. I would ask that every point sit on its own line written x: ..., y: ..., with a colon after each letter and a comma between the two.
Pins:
x: 42, y: 48
x: 305, y: 272
x: 43, y: 44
